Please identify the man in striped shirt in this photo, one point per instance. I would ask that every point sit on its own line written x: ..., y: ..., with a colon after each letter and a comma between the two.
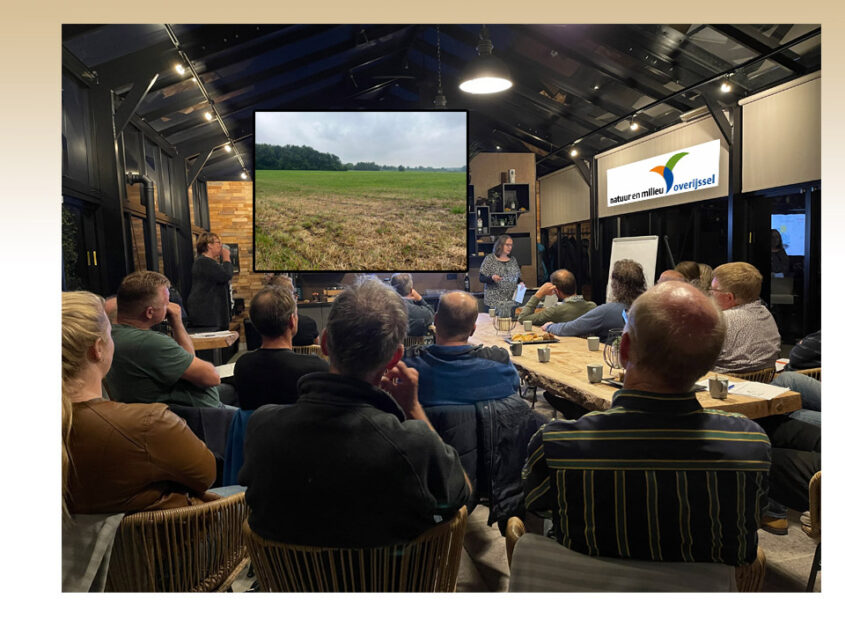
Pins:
x: 656, y: 477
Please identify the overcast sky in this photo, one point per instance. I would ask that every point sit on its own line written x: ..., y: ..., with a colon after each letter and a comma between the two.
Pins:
x: 430, y: 139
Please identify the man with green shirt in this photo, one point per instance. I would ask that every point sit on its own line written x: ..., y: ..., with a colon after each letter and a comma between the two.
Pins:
x: 571, y: 306
x: 149, y: 366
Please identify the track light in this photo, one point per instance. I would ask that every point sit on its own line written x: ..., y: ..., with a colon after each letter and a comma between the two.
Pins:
x: 726, y: 86
x: 244, y: 175
x: 228, y: 147
x: 180, y: 69
x: 634, y: 125
x: 485, y: 74
x: 208, y: 115
x: 573, y: 152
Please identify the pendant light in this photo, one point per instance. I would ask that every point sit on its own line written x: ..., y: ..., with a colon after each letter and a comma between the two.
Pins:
x: 485, y: 74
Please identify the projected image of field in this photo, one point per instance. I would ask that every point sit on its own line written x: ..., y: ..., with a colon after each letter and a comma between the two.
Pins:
x: 309, y: 220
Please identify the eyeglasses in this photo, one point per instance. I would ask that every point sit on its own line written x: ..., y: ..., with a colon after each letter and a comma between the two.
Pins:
x: 717, y: 290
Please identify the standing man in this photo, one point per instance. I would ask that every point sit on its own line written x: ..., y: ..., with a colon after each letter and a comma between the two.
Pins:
x: 355, y: 459
x: 149, y: 366
x: 572, y: 306
x: 752, y: 340
x: 656, y: 477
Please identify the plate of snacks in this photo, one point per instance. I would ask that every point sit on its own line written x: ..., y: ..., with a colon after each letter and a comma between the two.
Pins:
x: 533, y: 337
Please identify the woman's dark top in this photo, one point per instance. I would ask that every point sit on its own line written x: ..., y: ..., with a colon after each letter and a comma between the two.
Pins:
x: 208, y: 303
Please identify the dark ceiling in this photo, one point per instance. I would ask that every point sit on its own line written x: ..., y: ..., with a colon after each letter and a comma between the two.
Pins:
x: 573, y: 84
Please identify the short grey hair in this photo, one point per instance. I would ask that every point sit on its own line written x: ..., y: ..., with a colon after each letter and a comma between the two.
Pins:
x: 402, y: 282
x: 366, y: 325
x: 676, y: 333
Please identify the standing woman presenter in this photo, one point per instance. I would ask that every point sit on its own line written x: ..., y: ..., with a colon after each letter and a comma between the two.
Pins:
x: 208, y: 302
x: 500, y: 275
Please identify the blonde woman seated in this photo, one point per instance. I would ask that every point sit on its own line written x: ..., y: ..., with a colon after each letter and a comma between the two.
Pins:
x: 119, y: 457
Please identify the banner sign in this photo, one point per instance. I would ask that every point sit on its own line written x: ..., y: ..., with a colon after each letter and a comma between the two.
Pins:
x: 678, y: 172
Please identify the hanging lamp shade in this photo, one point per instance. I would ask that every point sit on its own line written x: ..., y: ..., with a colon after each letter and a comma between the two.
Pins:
x: 485, y: 74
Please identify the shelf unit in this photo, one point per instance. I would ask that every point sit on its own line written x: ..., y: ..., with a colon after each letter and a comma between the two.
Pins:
x: 510, y: 197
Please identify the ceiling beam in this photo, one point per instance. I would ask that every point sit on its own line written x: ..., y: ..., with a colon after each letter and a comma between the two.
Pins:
x: 760, y: 45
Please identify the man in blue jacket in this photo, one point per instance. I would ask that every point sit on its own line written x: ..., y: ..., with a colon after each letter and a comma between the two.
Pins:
x: 453, y: 371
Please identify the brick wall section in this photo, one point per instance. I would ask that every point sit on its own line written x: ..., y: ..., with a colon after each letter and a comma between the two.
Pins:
x: 230, y: 214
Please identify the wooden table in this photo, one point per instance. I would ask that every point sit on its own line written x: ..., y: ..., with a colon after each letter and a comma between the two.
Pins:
x: 214, y: 340
x: 566, y: 374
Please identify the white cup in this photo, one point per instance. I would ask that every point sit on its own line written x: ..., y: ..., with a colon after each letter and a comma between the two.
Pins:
x: 527, y: 325
x: 593, y: 343
x: 594, y: 372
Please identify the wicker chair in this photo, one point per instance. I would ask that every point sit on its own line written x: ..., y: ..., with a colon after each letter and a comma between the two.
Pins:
x: 414, y: 341
x: 190, y: 549
x: 313, y: 349
x: 811, y: 524
x: 761, y: 376
x: 427, y: 564
x: 748, y: 578
x: 814, y: 373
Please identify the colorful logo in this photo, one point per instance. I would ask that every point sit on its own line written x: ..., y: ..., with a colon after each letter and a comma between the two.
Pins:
x: 666, y: 170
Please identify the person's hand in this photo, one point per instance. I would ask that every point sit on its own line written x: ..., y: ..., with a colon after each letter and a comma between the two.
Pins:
x: 401, y: 383
x: 415, y: 295
x: 496, y: 278
x: 545, y: 327
x: 546, y: 289
x: 174, y: 312
x: 226, y: 254
x: 208, y: 496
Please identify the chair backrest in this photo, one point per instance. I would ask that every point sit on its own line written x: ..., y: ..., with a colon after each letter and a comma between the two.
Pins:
x: 190, y: 549
x: 814, y: 530
x: 427, y: 564
x: 313, y: 349
x: 546, y: 566
x: 414, y: 341
x: 761, y: 376
x: 814, y: 373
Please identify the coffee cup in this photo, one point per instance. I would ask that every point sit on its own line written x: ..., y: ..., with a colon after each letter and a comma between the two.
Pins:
x: 492, y: 313
x: 527, y: 325
x: 718, y: 387
x: 544, y: 354
x: 516, y: 348
x: 593, y: 343
x: 594, y: 372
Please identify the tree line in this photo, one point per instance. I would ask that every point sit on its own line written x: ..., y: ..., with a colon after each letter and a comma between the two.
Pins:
x: 302, y: 157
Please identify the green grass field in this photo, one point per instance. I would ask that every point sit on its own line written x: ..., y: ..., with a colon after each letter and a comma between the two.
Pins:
x: 362, y: 221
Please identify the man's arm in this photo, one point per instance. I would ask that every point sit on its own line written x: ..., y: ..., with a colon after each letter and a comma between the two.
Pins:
x: 535, y: 476
x: 180, y: 335
x: 587, y: 324
x: 201, y: 373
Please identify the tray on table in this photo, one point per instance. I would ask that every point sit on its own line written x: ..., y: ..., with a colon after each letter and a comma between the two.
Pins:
x: 532, y: 343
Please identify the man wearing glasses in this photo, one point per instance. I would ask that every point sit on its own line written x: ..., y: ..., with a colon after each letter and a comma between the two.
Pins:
x: 752, y: 340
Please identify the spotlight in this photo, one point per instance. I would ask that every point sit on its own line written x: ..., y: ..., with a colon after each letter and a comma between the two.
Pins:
x: 208, y: 115
x: 244, y: 175
x: 573, y: 152
x: 180, y: 69
x: 228, y: 147
x: 634, y: 125
x: 725, y: 87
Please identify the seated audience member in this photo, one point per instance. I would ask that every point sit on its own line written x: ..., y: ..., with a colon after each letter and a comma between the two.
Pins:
x: 689, y: 269
x: 807, y: 353
x: 150, y: 367
x: 810, y: 390
x: 270, y: 374
x: 671, y: 275
x: 571, y: 306
x: 420, y: 314
x: 453, y: 371
x: 119, y: 457
x: 752, y: 340
x: 705, y: 279
x: 627, y: 282
x: 656, y: 477
x: 307, y: 333
x: 355, y: 460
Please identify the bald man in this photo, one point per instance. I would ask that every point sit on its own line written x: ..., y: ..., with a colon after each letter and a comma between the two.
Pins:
x: 453, y: 371
x: 671, y: 275
x: 656, y: 477
x: 571, y: 306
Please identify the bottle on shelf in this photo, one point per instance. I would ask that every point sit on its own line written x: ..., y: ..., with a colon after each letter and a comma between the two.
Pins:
x: 466, y: 282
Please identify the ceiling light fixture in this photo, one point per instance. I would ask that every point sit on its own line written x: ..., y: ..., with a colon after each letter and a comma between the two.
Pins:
x: 439, y: 98
x: 485, y: 74
x: 573, y: 152
x: 228, y: 147
x: 180, y: 69
x: 726, y: 86
x: 244, y: 175
x: 208, y: 115
x: 634, y: 125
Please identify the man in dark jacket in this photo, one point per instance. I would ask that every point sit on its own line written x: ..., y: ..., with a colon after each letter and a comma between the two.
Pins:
x: 354, y: 462
x: 420, y: 314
